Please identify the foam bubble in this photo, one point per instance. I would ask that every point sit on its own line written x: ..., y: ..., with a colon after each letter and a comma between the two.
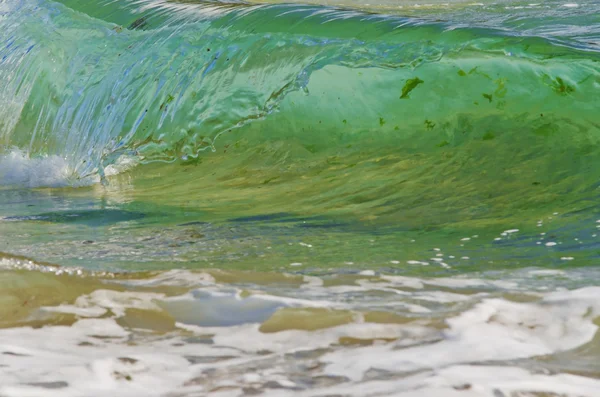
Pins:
x: 17, y: 168
x: 518, y: 330
x: 359, y: 335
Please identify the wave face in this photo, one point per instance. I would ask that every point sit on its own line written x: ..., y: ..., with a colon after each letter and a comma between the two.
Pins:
x: 161, y: 81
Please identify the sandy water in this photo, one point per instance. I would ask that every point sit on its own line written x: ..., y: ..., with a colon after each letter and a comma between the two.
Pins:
x: 72, y: 333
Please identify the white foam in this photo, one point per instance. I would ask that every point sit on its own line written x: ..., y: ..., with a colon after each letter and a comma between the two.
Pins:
x: 17, y: 168
x: 547, y: 272
x: 471, y: 381
x: 299, y: 340
x: 98, y: 302
x: 179, y: 277
x: 518, y: 330
x: 99, y: 356
x: 412, y: 262
x: 54, y: 355
x: 367, y: 273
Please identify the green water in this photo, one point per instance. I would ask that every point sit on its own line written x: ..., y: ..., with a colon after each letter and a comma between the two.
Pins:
x: 333, y: 198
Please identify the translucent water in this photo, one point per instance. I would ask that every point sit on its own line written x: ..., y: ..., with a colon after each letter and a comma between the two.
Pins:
x: 333, y: 198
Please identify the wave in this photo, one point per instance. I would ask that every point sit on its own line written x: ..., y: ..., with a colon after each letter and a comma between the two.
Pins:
x: 165, y: 81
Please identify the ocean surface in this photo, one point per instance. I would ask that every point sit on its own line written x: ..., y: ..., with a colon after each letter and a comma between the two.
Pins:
x: 310, y: 198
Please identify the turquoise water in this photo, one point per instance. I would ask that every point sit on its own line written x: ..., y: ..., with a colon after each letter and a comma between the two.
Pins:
x: 315, y: 198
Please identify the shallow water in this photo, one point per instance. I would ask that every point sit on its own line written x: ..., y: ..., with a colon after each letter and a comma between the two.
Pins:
x: 325, y: 199
x: 228, y: 332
